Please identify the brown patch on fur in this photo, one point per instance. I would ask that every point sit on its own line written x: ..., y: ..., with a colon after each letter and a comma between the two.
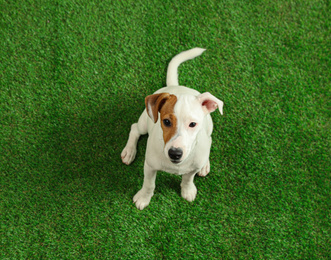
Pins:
x: 167, y: 112
x: 154, y: 103
x: 165, y: 104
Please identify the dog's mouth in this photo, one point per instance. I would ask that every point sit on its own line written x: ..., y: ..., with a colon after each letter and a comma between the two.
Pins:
x: 176, y: 161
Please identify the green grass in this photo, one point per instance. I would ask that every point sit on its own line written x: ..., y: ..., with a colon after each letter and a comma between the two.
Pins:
x: 74, y: 75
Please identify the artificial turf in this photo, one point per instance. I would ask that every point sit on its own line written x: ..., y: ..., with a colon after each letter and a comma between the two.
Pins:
x: 74, y: 75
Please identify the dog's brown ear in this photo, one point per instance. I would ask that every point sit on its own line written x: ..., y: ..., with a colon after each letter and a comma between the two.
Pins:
x: 210, y: 103
x: 154, y: 104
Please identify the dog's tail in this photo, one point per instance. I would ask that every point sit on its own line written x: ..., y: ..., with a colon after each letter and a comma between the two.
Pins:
x: 172, y: 76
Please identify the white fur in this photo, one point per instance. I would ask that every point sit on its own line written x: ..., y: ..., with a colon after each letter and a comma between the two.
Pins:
x: 172, y: 77
x: 195, y: 142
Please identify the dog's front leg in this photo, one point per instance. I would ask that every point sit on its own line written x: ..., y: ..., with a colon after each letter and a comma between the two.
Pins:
x: 143, y: 197
x: 189, y: 191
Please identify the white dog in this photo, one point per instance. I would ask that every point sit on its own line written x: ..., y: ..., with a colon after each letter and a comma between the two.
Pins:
x: 179, y: 125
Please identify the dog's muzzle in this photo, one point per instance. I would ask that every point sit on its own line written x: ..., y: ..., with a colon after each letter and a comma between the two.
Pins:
x: 175, y: 154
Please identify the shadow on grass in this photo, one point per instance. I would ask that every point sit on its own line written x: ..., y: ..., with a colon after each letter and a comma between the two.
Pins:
x: 83, y: 152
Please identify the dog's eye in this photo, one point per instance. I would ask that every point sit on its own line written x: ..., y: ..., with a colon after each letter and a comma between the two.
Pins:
x: 192, y: 124
x: 167, y: 122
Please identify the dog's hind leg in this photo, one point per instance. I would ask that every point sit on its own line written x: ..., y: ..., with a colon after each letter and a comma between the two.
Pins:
x: 205, y: 170
x: 129, y: 152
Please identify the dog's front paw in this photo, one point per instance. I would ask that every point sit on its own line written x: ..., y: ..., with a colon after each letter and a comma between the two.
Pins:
x: 128, y: 154
x: 205, y: 170
x: 189, y: 193
x: 142, y: 199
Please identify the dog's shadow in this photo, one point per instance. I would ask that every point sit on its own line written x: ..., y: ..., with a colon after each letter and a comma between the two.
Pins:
x: 83, y: 150
x: 84, y: 153
x: 168, y: 183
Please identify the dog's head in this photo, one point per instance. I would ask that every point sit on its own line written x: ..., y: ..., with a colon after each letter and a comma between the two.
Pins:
x: 181, y: 118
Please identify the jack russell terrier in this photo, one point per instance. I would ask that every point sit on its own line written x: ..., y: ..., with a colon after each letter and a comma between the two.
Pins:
x: 178, y: 122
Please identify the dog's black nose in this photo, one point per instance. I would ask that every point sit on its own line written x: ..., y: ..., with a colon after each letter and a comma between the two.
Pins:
x: 175, y: 154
